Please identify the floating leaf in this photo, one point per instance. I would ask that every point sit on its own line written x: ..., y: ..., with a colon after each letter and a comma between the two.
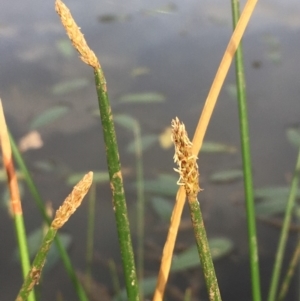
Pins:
x: 293, y: 136
x: 276, y: 192
x: 215, y: 147
x: 49, y: 116
x: 65, y: 47
x: 162, y: 207
x: 98, y: 177
x: 163, y: 185
x: 34, y: 240
x: 147, y: 141
x: 219, y: 248
x: 126, y: 121
x: 140, y: 71
x: 165, y: 140
x: 271, y: 206
x: 226, y: 176
x: 32, y: 140
x: 69, y: 86
x: 148, y: 97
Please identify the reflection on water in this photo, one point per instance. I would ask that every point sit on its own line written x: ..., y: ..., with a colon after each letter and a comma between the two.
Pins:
x: 169, y: 48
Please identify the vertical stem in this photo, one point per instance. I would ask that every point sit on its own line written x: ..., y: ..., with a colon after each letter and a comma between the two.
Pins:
x: 203, y: 250
x: 284, y: 232
x: 116, y: 182
x: 247, y: 166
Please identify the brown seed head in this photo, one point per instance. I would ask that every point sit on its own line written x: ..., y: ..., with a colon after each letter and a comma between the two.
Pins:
x: 75, y: 35
x: 187, y: 164
x: 72, y: 201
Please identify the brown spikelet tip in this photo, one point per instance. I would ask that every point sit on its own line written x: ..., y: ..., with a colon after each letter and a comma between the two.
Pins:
x: 187, y: 162
x: 72, y: 201
x: 75, y: 35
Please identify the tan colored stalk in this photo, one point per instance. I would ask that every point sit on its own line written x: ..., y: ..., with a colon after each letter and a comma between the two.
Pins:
x: 197, y: 143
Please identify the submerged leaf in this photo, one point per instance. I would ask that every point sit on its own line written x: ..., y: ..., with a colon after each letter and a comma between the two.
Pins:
x: 111, y: 18
x: 219, y: 248
x: 162, y: 207
x: 293, y: 136
x: 163, y: 185
x: 148, y: 97
x: 69, y: 86
x: 32, y: 140
x: 98, y: 177
x: 65, y: 47
x: 271, y: 206
x: 34, y: 240
x: 49, y: 116
x: 140, y: 71
x: 215, y: 147
x: 147, y: 141
x: 126, y: 121
x: 165, y: 138
x: 226, y: 176
x: 273, y: 192
x: 231, y: 91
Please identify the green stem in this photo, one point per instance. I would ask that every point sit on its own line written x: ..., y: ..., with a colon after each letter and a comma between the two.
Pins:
x: 284, y: 232
x: 290, y: 273
x: 23, y: 249
x: 247, y: 166
x: 116, y: 182
x: 39, y: 202
x: 203, y: 250
x: 35, y: 273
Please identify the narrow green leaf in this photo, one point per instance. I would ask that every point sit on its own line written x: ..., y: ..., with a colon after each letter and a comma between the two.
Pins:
x: 226, y: 176
x: 69, y: 86
x: 147, y: 141
x: 98, y: 177
x: 147, y: 97
x: 49, y: 116
x: 219, y: 248
x: 215, y: 147
x: 162, y: 207
x: 293, y: 136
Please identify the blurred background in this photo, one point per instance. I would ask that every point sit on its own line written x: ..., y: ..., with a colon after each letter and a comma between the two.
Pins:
x: 159, y: 58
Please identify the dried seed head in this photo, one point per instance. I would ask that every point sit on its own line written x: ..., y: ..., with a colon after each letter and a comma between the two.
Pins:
x: 75, y: 35
x: 187, y: 164
x: 72, y: 201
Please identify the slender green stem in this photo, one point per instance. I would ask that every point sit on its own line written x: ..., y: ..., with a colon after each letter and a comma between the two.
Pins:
x: 91, y: 229
x: 290, y: 273
x: 140, y: 205
x: 39, y: 202
x: 23, y: 249
x: 116, y: 182
x: 35, y: 273
x: 247, y: 166
x: 203, y: 250
x: 284, y: 232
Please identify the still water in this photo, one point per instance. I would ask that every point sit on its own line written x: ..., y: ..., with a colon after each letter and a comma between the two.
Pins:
x: 170, y: 48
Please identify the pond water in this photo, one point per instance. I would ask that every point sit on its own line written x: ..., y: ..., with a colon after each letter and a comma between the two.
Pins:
x: 171, y: 48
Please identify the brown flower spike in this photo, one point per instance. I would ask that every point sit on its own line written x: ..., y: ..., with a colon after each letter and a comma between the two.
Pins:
x: 72, y: 201
x: 187, y: 164
x: 75, y: 35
